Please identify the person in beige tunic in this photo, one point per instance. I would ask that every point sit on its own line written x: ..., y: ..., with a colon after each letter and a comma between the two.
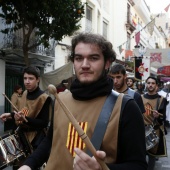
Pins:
x: 34, y: 111
x: 155, y: 115
x: 122, y: 147
x: 16, y: 97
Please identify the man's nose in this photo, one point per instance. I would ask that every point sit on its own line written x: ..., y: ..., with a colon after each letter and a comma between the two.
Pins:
x: 27, y: 80
x: 85, y: 63
x: 115, y: 80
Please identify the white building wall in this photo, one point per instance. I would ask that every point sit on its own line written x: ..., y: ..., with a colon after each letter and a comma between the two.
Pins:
x: 2, y: 86
x: 114, y: 13
x: 2, y: 74
x: 61, y: 52
x: 117, y: 31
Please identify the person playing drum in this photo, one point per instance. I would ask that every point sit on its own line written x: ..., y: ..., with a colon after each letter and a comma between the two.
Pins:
x: 155, y: 106
x: 34, y: 112
x: 118, y: 74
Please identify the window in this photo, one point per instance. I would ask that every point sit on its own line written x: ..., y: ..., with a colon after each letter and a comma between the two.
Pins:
x: 128, y: 42
x: 89, y: 13
x: 88, y: 19
x: 166, y: 26
x: 105, y: 26
x: 128, y: 13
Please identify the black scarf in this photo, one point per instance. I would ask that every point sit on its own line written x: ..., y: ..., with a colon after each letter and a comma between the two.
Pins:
x: 34, y: 94
x: 102, y: 87
x: 147, y: 96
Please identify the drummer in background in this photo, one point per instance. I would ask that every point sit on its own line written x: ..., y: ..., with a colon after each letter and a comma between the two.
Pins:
x: 118, y: 74
x: 34, y: 106
x: 155, y: 106
x: 16, y: 96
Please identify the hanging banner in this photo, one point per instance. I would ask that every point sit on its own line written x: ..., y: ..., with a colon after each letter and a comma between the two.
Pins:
x: 142, y: 68
x: 165, y: 70
x: 146, y: 64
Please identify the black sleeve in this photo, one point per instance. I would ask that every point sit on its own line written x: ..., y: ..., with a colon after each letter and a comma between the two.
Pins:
x: 162, y: 110
x: 41, y: 154
x: 131, y: 141
x: 41, y: 121
x: 139, y: 101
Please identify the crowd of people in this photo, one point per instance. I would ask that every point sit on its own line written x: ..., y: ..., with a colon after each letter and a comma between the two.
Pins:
x: 105, y: 104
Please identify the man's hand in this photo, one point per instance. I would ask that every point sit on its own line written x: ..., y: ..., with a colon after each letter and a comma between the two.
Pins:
x: 24, y: 167
x: 5, y: 116
x: 19, y: 116
x: 82, y: 161
x: 156, y: 113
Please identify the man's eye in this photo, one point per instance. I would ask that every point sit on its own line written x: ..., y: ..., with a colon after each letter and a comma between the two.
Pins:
x: 93, y: 58
x: 78, y: 58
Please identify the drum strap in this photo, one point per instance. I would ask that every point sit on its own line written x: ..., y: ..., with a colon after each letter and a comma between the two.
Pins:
x: 103, y: 120
x: 158, y: 103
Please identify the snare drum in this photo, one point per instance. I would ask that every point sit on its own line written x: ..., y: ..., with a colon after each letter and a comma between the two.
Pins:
x: 151, y: 137
x: 11, y: 149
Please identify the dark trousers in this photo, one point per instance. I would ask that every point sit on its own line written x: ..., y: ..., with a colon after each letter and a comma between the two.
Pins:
x: 151, y: 162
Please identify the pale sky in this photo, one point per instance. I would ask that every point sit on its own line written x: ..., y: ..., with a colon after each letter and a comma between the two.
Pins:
x: 158, y: 6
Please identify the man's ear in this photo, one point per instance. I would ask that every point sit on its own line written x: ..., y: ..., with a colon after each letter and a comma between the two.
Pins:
x: 38, y: 80
x: 126, y: 77
x: 107, y: 65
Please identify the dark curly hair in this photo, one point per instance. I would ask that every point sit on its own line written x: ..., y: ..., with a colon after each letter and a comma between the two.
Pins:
x: 90, y: 38
x: 117, y: 68
x: 152, y: 77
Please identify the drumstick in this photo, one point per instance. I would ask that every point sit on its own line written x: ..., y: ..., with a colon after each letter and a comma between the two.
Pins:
x: 153, y: 110
x: 84, y: 137
x: 14, y: 106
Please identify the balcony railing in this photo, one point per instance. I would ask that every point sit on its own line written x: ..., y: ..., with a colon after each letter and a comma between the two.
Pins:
x: 12, y: 42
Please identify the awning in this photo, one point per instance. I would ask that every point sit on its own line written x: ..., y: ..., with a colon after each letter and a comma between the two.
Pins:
x: 56, y: 76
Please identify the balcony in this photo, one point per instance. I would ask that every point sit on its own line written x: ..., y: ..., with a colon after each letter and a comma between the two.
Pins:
x: 13, y: 53
x: 130, y: 25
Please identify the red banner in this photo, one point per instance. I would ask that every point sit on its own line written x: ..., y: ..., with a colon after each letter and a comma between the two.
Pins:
x: 164, y: 70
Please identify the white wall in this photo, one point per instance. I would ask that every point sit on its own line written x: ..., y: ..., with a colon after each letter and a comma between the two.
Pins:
x: 2, y: 73
x: 61, y: 52
x: 118, y: 18
x: 2, y: 85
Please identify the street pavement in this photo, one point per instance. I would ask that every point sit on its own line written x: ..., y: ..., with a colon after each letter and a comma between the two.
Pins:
x: 164, y: 162
x: 161, y: 164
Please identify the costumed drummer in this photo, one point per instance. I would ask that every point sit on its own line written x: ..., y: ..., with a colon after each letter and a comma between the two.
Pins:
x: 122, y: 146
x: 118, y: 74
x: 15, y: 99
x: 155, y: 114
x: 34, y: 109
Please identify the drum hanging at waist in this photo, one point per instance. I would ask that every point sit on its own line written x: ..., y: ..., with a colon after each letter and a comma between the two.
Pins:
x: 11, y: 149
x: 151, y: 137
